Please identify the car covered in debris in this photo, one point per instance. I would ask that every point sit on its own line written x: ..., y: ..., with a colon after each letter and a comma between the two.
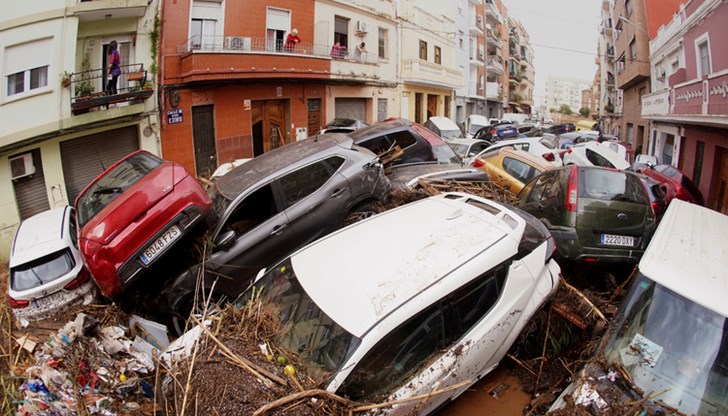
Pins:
x: 276, y: 203
x: 132, y: 214
x: 667, y: 351
x: 468, y: 148
x: 538, y: 146
x: 444, y: 127
x: 596, y: 215
x: 511, y: 168
x: 433, y: 306
x: 47, y: 273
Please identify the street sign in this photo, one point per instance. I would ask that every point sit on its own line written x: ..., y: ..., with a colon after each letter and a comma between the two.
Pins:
x: 174, y: 116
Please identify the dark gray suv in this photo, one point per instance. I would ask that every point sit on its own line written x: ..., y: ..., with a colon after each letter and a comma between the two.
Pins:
x: 276, y: 203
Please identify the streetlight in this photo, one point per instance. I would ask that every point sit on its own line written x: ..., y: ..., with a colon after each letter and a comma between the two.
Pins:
x: 626, y: 21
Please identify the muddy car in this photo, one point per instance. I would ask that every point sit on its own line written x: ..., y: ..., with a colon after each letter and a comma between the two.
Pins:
x: 276, y: 203
x: 437, y: 303
x: 668, y: 350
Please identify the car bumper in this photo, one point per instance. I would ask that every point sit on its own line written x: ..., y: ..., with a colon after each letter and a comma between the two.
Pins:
x: 57, y: 302
x: 569, y: 247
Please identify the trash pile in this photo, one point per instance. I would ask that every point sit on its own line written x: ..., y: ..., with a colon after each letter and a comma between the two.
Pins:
x: 88, y: 368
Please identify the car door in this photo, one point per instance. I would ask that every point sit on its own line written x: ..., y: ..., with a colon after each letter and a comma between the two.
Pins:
x: 544, y: 197
x: 260, y: 236
x: 315, y: 199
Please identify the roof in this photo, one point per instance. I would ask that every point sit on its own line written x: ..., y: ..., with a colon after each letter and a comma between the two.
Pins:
x: 276, y: 160
x: 380, y: 129
x: 355, y: 269
x: 39, y: 235
x: 522, y: 154
x: 689, y: 255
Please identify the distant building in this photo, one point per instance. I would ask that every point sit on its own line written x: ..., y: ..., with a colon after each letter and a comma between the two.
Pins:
x: 470, y: 58
x: 561, y: 90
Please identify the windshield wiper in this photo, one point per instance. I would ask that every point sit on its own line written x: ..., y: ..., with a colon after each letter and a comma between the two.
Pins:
x: 108, y: 190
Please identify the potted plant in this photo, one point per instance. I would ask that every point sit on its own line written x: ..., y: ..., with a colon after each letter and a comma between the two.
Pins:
x: 84, y: 89
x: 66, y: 79
x: 148, y: 85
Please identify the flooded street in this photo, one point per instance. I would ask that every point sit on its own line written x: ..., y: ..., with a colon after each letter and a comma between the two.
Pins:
x: 498, y: 394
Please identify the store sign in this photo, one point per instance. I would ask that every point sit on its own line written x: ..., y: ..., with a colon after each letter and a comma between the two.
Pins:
x: 174, y: 116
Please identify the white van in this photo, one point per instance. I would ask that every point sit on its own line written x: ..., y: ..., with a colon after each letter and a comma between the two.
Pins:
x: 473, y: 123
x: 443, y: 127
x: 671, y: 337
x: 516, y: 118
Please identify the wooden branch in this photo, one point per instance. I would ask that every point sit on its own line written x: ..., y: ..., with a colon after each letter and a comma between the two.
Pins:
x: 586, y: 300
x: 302, y: 395
x: 522, y: 364
x: 411, y: 399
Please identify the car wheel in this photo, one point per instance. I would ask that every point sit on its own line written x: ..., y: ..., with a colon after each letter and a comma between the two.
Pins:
x: 183, y: 308
x: 363, y: 211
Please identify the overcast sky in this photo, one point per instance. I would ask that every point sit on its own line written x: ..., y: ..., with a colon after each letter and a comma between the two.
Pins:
x: 564, y: 36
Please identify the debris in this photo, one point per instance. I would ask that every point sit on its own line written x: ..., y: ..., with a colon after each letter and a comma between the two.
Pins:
x: 152, y: 332
x: 26, y: 344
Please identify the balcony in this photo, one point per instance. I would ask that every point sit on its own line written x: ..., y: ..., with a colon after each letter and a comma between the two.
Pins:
x: 492, y: 13
x: 493, y: 91
x: 493, y: 39
x: 87, y: 88
x: 656, y: 103
x: 212, y: 58
x: 421, y: 72
x: 476, y: 26
x: 494, y: 65
x: 97, y: 10
x: 477, y: 59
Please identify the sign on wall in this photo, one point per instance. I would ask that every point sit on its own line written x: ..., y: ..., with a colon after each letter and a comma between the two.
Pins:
x: 174, y: 116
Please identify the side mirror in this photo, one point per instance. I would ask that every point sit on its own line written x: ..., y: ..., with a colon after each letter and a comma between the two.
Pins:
x: 225, y: 240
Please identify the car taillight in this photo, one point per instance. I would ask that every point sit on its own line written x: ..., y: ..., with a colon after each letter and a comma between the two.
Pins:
x: 478, y: 163
x: 572, y: 192
x: 569, y: 150
x: 549, y: 156
x: 82, y: 278
x: 493, y: 131
x: 17, y: 304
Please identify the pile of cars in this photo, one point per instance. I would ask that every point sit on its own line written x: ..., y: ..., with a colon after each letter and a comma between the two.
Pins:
x: 447, y: 282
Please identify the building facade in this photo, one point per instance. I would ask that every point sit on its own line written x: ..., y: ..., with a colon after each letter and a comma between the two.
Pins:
x: 562, y: 90
x: 688, y: 109
x: 496, y: 84
x: 61, y: 128
x: 469, y: 16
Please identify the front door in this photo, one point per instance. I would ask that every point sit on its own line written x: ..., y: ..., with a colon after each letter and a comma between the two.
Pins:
x: 269, y: 121
x: 203, y: 137
x: 314, y: 116
x: 721, y: 189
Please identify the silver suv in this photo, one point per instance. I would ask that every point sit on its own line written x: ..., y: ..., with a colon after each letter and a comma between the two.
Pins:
x: 276, y: 203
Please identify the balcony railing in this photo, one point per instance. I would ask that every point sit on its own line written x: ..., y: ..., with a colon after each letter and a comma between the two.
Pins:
x: 88, y: 88
x: 417, y: 70
x: 252, y: 45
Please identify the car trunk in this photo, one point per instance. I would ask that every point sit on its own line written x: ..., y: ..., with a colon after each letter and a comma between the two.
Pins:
x: 132, y: 204
x: 614, y: 210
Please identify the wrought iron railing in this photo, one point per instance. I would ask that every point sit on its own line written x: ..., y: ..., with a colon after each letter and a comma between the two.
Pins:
x: 246, y: 44
x: 88, y: 88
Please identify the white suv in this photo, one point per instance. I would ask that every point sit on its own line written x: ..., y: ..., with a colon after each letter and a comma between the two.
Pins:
x: 46, y: 269
x: 424, y: 296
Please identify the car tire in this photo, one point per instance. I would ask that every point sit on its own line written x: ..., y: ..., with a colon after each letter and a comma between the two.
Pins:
x: 182, y: 308
x: 363, y: 211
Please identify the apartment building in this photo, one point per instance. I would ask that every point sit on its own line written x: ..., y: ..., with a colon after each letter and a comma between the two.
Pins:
x: 469, y: 17
x: 521, y: 91
x: 688, y: 108
x: 564, y: 90
x: 496, y: 85
x: 60, y: 128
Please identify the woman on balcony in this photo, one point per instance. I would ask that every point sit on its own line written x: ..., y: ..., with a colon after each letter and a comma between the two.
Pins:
x: 114, y: 68
x: 291, y: 41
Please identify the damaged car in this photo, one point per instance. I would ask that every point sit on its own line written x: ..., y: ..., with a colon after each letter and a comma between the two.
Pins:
x: 132, y: 214
x: 667, y: 352
x: 276, y: 203
x: 47, y: 273
x: 433, y: 306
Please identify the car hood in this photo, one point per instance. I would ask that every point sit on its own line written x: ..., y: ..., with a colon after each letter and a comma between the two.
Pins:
x: 133, y: 203
x: 405, y: 177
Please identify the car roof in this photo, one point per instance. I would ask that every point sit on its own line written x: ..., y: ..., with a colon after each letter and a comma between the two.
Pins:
x: 535, y: 160
x: 383, y: 127
x: 39, y: 235
x: 687, y: 254
x: 467, y: 142
x: 443, y: 123
x: 280, y: 160
x: 435, y: 237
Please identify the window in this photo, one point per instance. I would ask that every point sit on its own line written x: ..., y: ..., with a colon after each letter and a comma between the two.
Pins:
x: 26, y: 67
x: 278, y: 22
x: 438, y: 55
x: 703, y: 59
x: 598, y: 160
x: 633, y: 49
x: 305, y: 181
x: 252, y: 211
x: 608, y: 185
x: 423, y: 50
x: 628, y: 7
x: 698, y: 168
x: 519, y: 170
x: 383, y: 43
x: 203, y: 24
x: 341, y: 31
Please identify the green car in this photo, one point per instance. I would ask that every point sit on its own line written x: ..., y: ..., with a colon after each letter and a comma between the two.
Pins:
x: 596, y: 215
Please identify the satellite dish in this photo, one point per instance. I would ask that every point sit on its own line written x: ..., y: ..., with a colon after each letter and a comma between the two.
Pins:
x: 488, y: 26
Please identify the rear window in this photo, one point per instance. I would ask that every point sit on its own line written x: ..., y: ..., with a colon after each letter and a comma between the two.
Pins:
x: 598, y: 160
x: 609, y: 185
x: 112, y: 184
x: 41, y: 271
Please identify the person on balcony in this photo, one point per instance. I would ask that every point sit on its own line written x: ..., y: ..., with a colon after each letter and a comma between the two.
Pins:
x: 292, y: 40
x: 114, y: 68
x: 360, y: 51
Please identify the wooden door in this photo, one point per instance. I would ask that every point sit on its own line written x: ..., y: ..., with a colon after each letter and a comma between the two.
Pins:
x: 203, y: 137
x: 273, y: 130
x: 314, y: 124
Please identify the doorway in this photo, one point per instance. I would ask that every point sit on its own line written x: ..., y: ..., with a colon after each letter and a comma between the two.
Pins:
x: 720, y: 191
x: 203, y: 137
x: 270, y: 126
x: 314, y: 124
x: 431, y: 105
x: 418, y: 107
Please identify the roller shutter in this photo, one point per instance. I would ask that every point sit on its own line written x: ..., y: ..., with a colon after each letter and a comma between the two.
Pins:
x: 351, y: 108
x: 30, y: 191
x: 86, y: 158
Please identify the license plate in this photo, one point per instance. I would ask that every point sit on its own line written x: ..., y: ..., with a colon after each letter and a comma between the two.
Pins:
x: 157, y: 247
x: 49, y: 301
x: 617, y: 240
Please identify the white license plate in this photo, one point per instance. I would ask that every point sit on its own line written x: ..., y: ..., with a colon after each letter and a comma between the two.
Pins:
x: 157, y: 247
x: 617, y: 240
x: 49, y: 301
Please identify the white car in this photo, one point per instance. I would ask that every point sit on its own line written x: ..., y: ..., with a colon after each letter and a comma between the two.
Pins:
x: 475, y: 122
x: 595, y: 154
x: 435, y: 304
x: 468, y: 148
x: 538, y: 146
x: 47, y: 273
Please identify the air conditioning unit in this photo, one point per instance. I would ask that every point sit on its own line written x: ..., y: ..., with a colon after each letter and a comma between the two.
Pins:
x: 238, y: 43
x: 661, y: 74
x: 21, y: 166
x: 361, y: 27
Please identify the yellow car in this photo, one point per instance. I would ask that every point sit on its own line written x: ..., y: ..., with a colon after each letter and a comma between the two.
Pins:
x: 511, y: 168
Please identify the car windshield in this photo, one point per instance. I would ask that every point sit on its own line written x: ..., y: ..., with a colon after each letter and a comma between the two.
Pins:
x: 673, y: 346
x: 112, y: 184
x: 445, y: 154
x: 322, y: 345
x: 610, y: 185
x: 41, y: 271
x: 460, y: 149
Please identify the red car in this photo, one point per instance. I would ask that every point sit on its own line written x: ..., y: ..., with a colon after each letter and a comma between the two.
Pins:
x: 676, y: 183
x: 133, y: 213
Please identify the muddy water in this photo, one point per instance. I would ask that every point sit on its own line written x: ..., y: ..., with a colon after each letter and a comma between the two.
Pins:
x: 497, y: 394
